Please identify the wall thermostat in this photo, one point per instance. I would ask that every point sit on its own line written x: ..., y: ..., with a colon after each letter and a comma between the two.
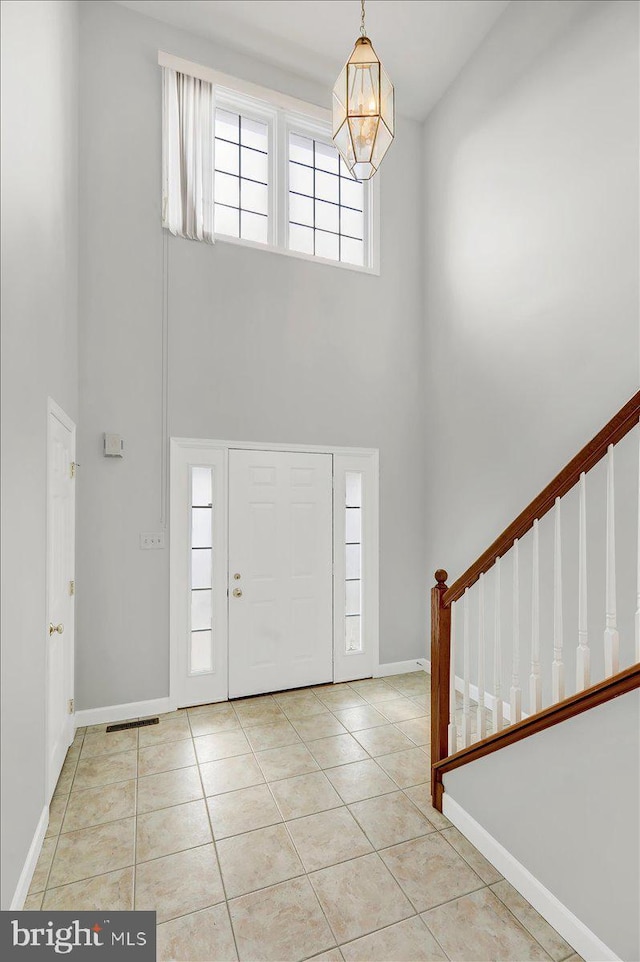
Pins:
x: 113, y: 446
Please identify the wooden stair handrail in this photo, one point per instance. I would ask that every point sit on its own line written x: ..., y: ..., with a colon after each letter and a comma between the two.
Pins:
x: 620, y: 684
x: 619, y: 425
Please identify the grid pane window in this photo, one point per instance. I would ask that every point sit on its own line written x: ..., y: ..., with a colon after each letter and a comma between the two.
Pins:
x: 201, y: 582
x: 242, y: 177
x: 353, y: 561
x: 326, y: 205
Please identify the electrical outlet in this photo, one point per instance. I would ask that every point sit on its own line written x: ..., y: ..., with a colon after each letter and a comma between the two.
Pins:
x: 152, y: 541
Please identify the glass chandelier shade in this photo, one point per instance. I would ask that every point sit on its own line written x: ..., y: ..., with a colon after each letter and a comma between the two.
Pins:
x: 363, y: 111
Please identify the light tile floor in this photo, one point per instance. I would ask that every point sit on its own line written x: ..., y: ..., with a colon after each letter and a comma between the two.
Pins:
x: 284, y: 828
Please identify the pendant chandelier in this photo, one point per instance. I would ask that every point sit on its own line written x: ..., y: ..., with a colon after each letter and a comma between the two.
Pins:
x: 363, y: 109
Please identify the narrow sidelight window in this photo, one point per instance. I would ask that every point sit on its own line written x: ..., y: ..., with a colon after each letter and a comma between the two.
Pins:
x: 353, y: 561
x: 201, y: 575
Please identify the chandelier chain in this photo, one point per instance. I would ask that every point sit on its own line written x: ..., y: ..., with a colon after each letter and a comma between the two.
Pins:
x: 363, y: 29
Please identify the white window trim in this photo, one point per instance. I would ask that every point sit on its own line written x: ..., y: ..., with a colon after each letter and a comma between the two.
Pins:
x: 283, y: 114
x: 215, y: 453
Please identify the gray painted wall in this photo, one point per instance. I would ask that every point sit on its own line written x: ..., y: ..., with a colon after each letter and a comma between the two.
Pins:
x: 565, y: 803
x: 39, y: 358
x: 262, y: 347
x: 531, y: 262
x: 531, y: 302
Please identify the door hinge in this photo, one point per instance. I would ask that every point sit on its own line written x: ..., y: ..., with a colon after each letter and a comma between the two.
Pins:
x: 72, y: 587
x: 71, y: 708
x: 73, y: 469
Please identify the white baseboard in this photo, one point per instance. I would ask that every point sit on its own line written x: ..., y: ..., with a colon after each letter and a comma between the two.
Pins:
x: 582, y: 939
x: 29, y: 867
x: 118, y: 713
x: 399, y: 667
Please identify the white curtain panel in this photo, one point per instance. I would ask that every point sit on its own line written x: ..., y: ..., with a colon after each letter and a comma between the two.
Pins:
x: 188, y: 116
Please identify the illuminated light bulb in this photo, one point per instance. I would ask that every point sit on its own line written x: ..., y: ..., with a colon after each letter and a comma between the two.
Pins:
x: 363, y: 109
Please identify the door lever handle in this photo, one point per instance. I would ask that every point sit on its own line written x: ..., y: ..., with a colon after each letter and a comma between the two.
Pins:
x: 53, y: 628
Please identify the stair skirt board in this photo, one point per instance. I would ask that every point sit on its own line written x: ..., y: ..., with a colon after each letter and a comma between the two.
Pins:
x: 582, y: 939
x: 489, y: 700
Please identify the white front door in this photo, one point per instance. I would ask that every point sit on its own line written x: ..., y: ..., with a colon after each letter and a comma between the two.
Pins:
x: 59, y: 629
x: 280, y: 571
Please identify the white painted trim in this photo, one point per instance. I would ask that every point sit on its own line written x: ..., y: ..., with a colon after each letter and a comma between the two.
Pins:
x: 186, y: 689
x: 489, y: 700
x: 29, y: 867
x: 269, y: 446
x: 51, y: 777
x: 374, y: 270
x: 190, y: 447
x: 245, y: 87
x: 582, y: 939
x: 118, y: 713
x: 283, y: 113
x: 399, y: 667
x: 347, y: 666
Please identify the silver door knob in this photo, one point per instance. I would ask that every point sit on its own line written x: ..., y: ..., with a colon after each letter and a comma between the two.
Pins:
x: 237, y: 592
x: 53, y: 628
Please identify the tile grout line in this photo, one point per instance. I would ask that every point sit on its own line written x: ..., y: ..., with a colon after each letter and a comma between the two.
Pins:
x: 524, y: 927
x: 306, y: 874
x: 134, y: 874
x: 344, y: 861
x: 295, y: 848
x: 213, y: 840
x: 285, y: 823
x: 139, y: 748
x: 57, y: 837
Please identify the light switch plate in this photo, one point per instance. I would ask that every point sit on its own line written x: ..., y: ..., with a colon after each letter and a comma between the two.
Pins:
x: 152, y: 541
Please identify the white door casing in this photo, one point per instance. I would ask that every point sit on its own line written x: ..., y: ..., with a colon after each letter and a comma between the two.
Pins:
x: 60, y: 609
x: 187, y: 687
x: 280, y: 546
x: 213, y: 686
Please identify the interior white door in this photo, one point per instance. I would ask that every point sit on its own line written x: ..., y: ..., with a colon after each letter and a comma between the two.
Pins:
x: 280, y: 571
x: 59, y: 631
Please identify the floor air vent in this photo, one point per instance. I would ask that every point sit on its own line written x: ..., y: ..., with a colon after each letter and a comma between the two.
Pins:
x: 123, y: 726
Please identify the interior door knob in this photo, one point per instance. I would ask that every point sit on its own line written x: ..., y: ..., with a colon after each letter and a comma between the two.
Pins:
x: 53, y: 628
x: 237, y: 592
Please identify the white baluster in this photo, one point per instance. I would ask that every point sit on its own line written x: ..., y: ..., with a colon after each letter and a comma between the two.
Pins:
x: 497, y: 655
x: 557, y: 668
x: 466, y: 717
x: 611, y: 640
x: 535, y: 690
x: 516, y: 691
x: 583, y: 655
x: 481, y: 720
x: 638, y: 575
x: 453, y: 734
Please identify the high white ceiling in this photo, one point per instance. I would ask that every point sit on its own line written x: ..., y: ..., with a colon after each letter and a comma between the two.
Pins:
x: 423, y: 43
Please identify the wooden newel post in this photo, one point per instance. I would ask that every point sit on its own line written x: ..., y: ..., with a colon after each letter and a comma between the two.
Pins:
x: 440, y: 667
